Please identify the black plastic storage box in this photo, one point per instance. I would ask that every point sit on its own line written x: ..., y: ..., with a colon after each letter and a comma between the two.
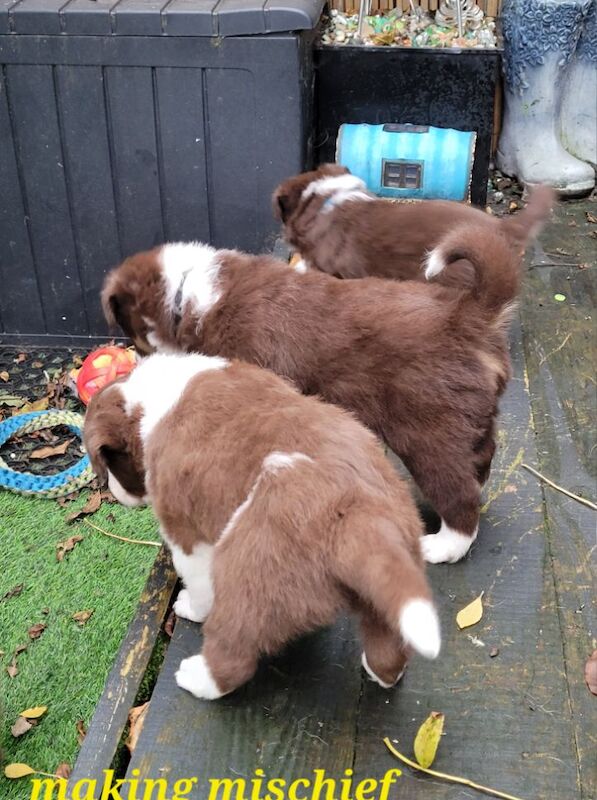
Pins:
x: 128, y: 123
x: 421, y: 86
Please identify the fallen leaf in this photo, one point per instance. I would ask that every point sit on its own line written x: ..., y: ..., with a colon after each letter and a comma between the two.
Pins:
x: 12, y: 401
x: 82, y: 616
x: 81, y: 731
x: 136, y: 719
x: 35, y: 712
x: 35, y: 631
x: 559, y: 297
x: 12, y: 668
x: 37, y: 364
x: 591, y: 217
x: 591, y: 673
x: 68, y: 498
x: 45, y: 611
x: 169, y: 624
x: 20, y: 727
x: 63, y: 771
x: 47, y: 452
x: 20, y: 648
x: 91, y: 506
x: 17, y: 770
x: 4, y: 376
x: 471, y: 614
x: 584, y: 265
x: 77, y: 360
x: 20, y: 358
x: 427, y: 739
x: 65, y: 547
x: 494, y: 652
x: 14, y: 592
x: 36, y: 405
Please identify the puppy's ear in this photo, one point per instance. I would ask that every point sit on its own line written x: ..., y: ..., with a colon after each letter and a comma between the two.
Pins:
x: 287, y: 198
x: 117, y: 305
x: 103, y: 438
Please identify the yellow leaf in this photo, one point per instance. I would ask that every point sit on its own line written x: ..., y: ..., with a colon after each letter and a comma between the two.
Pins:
x: 34, y: 713
x: 471, y: 614
x: 427, y: 739
x: 18, y: 770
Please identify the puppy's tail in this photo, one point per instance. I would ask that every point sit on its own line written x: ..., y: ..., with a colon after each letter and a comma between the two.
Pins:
x: 383, y: 572
x: 494, y: 252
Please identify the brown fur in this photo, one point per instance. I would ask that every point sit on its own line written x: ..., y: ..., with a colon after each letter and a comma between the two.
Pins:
x: 342, y: 531
x: 422, y: 365
x: 390, y: 240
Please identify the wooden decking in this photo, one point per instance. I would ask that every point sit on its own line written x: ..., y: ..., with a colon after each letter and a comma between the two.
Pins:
x: 523, y: 720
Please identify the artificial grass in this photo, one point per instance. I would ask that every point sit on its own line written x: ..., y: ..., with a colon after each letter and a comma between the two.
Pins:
x: 67, y: 666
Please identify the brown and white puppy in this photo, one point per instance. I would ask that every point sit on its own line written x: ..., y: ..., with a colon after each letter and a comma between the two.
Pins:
x: 421, y: 365
x: 279, y: 509
x: 339, y: 227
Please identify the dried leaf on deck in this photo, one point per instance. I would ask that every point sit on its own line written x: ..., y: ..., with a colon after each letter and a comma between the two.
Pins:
x: 65, y: 547
x: 471, y: 614
x: 4, y: 376
x: 82, y: 616
x: 90, y: 507
x: 35, y: 631
x: 47, y: 452
x: 591, y: 673
x: 14, y: 592
x: 81, y: 731
x: 63, y: 771
x: 136, y: 719
x: 20, y: 727
x: 35, y: 712
x: 591, y: 217
x: 428, y: 738
x: 17, y: 770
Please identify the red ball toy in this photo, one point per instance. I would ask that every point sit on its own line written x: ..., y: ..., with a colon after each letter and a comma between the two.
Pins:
x: 101, y: 367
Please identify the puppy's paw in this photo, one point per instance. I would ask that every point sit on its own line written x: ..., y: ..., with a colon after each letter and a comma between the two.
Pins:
x: 195, y: 676
x: 446, y: 546
x: 184, y: 608
x: 375, y: 678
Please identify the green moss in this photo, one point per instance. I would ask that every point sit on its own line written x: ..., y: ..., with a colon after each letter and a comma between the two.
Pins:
x: 67, y: 666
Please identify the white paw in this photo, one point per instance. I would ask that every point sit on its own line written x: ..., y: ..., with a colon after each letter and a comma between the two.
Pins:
x: 185, y: 609
x: 195, y: 676
x: 446, y: 546
x: 375, y: 678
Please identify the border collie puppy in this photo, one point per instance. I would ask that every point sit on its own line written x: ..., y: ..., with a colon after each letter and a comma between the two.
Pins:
x: 420, y: 364
x: 339, y: 227
x: 279, y: 510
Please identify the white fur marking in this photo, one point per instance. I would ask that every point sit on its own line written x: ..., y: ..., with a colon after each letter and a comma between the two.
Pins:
x: 375, y: 677
x: 279, y: 460
x: 301, y: 267
x: 195, y: 601
x: 121, y: 494
x: 332, y: 184
x: 199, y: 262
x: 447, y: 545
x: 272, y: 463
x: 434, y: 263
x: 419, y: 627
x: 195, y: 676
x: 158, y: 383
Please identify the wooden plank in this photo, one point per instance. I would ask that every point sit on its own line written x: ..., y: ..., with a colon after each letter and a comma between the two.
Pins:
x: 507, y: 718
x: 87, y: 164
x: 182, y: 145
x: 88, y: 17
x: 41, y: 158
x: 5, y: 21
x: 134, y: 156
x: 17, y: 270
x: 36, y: 16
x: 297, y: 714
x: 562, y: 364
x: 122, y: 685
x: 230, y: 149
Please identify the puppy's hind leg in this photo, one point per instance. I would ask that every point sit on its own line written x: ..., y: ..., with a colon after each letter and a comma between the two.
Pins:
x: 194, y: 602
x: 384, y: 652
x: 450, y: 483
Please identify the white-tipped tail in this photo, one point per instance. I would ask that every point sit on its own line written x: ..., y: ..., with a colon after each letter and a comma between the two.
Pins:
x: 434, y: 263
x: 419, y: 627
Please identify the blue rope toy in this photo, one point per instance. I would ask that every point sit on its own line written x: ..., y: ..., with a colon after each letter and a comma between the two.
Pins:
x: 48, y: 486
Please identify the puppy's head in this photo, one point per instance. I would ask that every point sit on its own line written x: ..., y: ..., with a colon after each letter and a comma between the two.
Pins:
x: 132, y: 296
x: 287, y: 197
x: 113, y: 443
